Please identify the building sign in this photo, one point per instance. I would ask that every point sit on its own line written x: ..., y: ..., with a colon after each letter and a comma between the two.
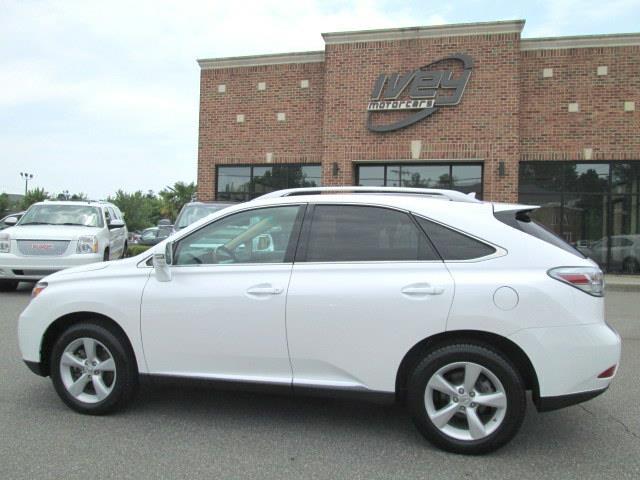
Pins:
x: 419, y: 93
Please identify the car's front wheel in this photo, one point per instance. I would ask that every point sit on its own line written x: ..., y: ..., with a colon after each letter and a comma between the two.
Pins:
x: 466, y: 399
x: 92, y: 370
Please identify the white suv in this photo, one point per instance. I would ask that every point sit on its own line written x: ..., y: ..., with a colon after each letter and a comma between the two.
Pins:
x: 53, y: 235
x: 455, y: 306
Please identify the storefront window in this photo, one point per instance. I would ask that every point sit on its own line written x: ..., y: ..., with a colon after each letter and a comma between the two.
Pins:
x: 244, y: 183
x: 463, y: 177
x: 594, y: 206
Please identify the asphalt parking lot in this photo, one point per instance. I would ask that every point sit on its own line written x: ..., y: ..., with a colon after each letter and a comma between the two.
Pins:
x: 197, y: 432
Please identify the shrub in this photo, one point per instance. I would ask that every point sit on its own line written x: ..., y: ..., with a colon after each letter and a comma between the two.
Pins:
x: 134, y: 250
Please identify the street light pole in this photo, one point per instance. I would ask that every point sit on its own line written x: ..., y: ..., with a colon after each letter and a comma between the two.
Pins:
x: 26, y: 176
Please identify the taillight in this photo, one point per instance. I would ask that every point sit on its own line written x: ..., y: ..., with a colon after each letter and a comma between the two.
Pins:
x: 588, y: 279
x: 609, y: 372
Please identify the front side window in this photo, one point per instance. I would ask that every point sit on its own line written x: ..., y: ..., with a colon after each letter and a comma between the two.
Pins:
x: 454, y: 245
x: 81, y: 215
x: 350, y: 233
x: 256, y: 236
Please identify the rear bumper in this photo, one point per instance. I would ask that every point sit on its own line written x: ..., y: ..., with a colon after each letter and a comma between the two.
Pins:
x: 14, y: 267
x: 547, y: 404
x: 568, y: 360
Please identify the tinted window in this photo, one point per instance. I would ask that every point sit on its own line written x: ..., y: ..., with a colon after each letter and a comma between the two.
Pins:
x: 342, y: 233
x: 255, y: 236
x: 522, y: 221
x: 245, y: 183
x: 454, y: 245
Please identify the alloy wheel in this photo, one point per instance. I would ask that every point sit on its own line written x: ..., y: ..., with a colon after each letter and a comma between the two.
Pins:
x: 465, y: 401
x: 87, y: 370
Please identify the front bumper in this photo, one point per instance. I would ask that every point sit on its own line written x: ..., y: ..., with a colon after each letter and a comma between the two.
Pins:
x: 16, y: 267
x: 568, y: 360
x: 36, y: 367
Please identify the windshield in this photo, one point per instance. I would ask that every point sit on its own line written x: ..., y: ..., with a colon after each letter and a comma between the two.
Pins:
x: 83, y: 215
x: 192, y: 213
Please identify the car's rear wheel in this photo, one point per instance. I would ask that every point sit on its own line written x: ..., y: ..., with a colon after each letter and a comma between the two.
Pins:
x: 105, y: 257
x: 466, y: 399
x: 92, y: 370
x: 8, y: 285
x: 124, y: 250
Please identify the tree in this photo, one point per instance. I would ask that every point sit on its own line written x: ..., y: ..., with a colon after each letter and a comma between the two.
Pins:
x: 5, y: 205
x: 141, y: 210
x: 174, y: 198
x: 33, y: 196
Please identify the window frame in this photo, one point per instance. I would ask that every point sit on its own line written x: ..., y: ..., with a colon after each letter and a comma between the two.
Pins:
x: 305, y: 235
x: 289, y: 256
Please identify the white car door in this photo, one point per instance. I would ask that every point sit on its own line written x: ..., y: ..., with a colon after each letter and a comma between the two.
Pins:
x: 222, y: 314
x: 366, y: 287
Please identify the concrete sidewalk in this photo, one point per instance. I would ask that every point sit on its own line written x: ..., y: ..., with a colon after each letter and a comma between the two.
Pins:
x: 622, y: 283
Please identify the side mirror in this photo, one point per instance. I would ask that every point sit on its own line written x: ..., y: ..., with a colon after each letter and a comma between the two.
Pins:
x: 10, y: 221
x: 264, y: 243
x: 162, y: 263
x: 115, y: 223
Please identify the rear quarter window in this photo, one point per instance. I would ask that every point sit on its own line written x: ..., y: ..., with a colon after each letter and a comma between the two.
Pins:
x: 453, y: 245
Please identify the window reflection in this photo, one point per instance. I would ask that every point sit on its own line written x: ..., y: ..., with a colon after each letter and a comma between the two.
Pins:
x: 594, y: 206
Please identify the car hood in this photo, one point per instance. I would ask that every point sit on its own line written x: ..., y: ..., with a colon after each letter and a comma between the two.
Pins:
x: 49, y: 232
x: 91, y: 267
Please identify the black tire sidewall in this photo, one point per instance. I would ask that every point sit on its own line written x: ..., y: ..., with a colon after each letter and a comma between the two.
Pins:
x: 126, y: 372
x: 506, y: 373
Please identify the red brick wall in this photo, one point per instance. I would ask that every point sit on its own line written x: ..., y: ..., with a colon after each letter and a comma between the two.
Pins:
x: 483, y: 126
x: 508, y: 112
x: 223, y: 141
x: 549, y: 132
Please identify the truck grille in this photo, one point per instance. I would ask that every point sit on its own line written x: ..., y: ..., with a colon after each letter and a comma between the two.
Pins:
x: 42, y: 248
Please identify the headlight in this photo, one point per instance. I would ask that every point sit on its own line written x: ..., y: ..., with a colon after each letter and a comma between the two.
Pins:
x: 5, y: 243
x: 87, y: 244
x: 37, y: 290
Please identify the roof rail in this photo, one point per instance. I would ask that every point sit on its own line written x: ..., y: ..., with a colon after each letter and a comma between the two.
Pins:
x: 451, y: 195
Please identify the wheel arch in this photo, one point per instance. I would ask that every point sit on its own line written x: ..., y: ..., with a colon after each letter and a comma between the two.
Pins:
x: 502, y: 345
x: 56, y: 328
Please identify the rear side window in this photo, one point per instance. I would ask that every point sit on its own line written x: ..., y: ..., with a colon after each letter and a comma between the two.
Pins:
x: 523, y: 222
x: 343, y: 233
x: 454, y: 245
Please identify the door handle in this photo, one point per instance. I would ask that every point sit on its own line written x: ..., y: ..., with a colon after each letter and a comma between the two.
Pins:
x: 419, y: 290
x: 264, y: 290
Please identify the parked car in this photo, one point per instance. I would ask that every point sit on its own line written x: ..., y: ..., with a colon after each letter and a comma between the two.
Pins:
x: 194, y: 211
x: 625, y: 252
x: 154, y: 235
x: 53, y: 235
x: 348, y: 294
x: 13, y: 219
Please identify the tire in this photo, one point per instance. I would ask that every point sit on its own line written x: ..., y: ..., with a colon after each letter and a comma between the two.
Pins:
x: 105, y: 257
x: 124, y: 251
x: 491, y: 426
x: 8, y: 285
x: 83, y: 386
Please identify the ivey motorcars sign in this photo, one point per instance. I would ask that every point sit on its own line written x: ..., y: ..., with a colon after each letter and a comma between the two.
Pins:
x: 420, y: 92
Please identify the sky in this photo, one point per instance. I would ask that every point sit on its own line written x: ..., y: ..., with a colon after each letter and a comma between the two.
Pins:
x: 100, y: 96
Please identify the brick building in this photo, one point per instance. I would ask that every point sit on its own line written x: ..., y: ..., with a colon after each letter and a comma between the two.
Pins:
x: 473, y: 107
